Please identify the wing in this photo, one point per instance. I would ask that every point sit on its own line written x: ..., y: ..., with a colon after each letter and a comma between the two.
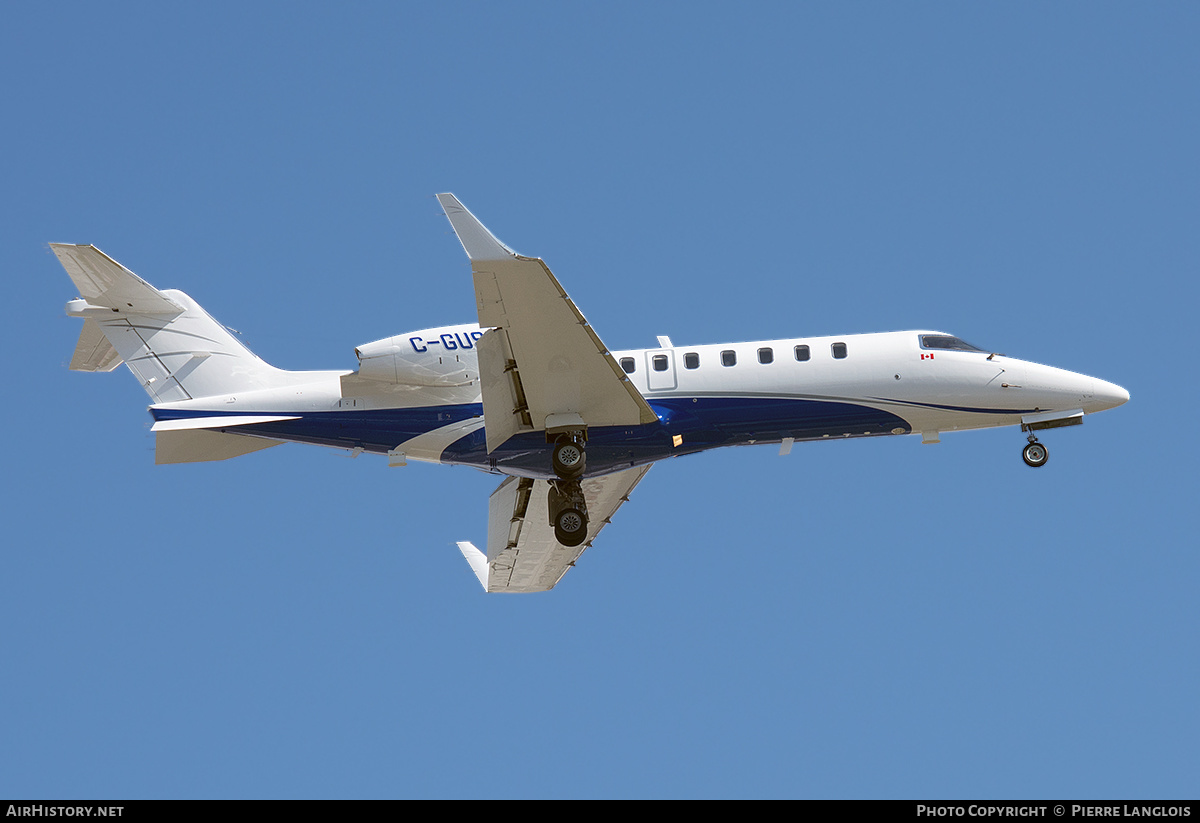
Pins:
x: 522, y: 554
x: 542, y: 359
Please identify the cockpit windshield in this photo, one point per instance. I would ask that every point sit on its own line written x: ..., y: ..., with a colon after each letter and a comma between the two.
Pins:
x: 945, y: 341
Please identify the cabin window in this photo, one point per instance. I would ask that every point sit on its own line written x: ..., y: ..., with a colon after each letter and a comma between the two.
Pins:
x: 839, y: 350
x: 802, y: 353
x: 766, y: 356
x: 659, y: 362
x: 728, y: 358
x: 628, y: 364
x: 691, y: 360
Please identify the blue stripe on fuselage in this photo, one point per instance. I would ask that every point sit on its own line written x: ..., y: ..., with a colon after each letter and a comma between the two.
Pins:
x: 702, y: 422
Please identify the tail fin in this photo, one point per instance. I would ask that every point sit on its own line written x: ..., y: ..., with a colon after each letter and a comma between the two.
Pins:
x: 173, y: 347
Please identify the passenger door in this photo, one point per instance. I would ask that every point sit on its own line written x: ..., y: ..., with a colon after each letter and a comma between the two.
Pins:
x: 660, y: 369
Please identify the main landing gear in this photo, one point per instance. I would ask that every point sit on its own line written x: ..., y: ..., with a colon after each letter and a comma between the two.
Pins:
x: 568, y: 457
x: 566, y: 503
x: 1034, y: 453
x: 568, y: 512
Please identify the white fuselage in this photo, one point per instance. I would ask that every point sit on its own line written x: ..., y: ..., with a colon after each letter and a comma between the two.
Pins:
x: 422, y: 391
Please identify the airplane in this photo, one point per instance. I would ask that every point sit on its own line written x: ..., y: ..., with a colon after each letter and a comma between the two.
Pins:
x: 532, y: 392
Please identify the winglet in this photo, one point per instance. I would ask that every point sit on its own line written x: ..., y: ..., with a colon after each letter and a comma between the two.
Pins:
x: 477, y: 560
x: 479, y: 243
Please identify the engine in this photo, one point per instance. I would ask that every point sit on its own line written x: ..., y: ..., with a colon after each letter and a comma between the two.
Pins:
x: 442, y: 356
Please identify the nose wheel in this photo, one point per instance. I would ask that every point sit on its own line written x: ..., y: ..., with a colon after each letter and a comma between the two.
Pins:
x: 1034, y: 453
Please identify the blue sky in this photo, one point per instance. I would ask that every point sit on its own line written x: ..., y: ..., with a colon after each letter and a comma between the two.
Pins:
x: 861, y: 619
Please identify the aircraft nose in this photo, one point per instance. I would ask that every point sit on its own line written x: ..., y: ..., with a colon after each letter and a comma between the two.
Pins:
x: 1108, y: 395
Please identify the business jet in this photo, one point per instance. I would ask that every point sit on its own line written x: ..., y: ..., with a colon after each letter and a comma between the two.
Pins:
x: 532, y: 392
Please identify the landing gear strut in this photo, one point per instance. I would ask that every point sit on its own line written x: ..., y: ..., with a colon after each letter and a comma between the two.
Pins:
x: 568, y: 512
x: 1034, y: 453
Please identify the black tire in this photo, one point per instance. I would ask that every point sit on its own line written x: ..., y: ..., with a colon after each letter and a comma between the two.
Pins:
x: 568, y: 459
x: 570, y: 527
x: 1035, y: 455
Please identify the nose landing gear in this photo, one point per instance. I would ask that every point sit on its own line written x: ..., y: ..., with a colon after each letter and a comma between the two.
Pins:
x: 1034, y: 453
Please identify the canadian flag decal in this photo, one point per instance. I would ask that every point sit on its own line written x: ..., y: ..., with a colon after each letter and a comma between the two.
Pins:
x: 926, y: 356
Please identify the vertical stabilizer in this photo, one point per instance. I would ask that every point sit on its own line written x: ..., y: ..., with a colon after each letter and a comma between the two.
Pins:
x: 174, y: 348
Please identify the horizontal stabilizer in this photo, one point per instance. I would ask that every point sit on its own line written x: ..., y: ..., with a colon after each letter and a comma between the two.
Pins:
x: 93, y: 352
x: 103, y: 281
x: 202, y: 446
x: 220, y: 422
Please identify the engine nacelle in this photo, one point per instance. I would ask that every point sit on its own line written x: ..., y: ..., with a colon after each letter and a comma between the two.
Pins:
x: 443, y: 356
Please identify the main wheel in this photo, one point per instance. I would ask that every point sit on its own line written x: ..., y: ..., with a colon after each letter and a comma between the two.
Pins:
x: 568, y: 459
x: 570, y: 527
x: 1035, y: 454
